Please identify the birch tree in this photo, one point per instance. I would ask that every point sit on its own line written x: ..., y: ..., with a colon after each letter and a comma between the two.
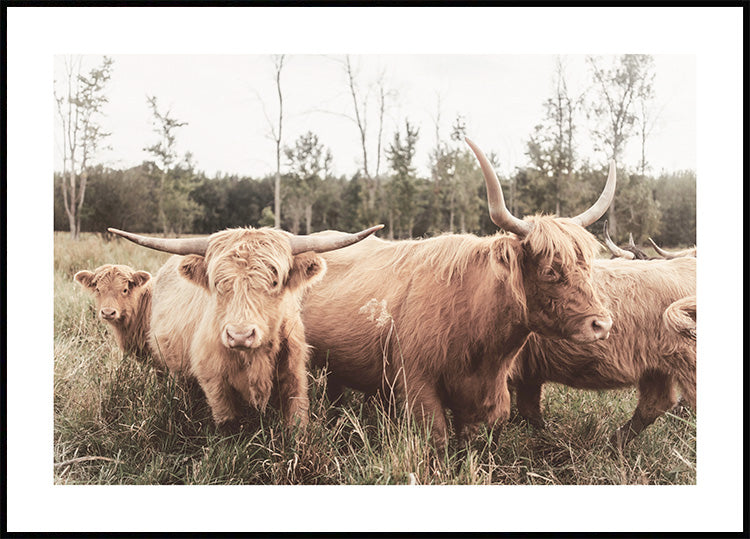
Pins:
x: 173, y: 202
x: 274, y: 133
x: 79, y: 108
x: 360, y: 101
x: 619, y: 86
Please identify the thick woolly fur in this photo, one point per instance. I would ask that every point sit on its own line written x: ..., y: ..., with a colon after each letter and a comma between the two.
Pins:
x: 438, y: 321
x: 643, y: 350
x: 248, y: 278
x: 123, y: 300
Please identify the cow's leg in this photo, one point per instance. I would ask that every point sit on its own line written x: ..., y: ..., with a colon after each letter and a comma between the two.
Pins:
x: 334, y: 388
x: 528, y: 401
x: 291, y: 372
x: 656, y: 397
x: 425, y: 404
x: 222, y: 401
x: 490, y: 404
x: 684, y: 373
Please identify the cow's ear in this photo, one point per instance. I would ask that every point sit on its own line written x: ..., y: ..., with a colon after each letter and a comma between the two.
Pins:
x: 507, y: 253
x: 193, y: 268
x: 85, y: 278
x: 140, y: 278
x: 307, y: 268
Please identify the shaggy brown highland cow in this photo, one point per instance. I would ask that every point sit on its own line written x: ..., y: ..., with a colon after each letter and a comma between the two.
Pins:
x: 123, y: 300
x: 454, y: 310
x: 643, y: 349
x: 228, y: 314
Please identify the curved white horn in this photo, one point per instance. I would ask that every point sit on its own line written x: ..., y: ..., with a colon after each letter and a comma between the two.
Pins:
x: 328, y: 242
x: 605, y: 199
x: 178, y: 246
x: 499, y: 213
x: 612, y: 246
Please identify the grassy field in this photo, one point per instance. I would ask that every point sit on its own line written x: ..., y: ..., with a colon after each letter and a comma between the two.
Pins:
x: 117, y: 422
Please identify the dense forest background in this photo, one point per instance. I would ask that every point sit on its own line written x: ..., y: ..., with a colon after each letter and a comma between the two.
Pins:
x: 662, y: 207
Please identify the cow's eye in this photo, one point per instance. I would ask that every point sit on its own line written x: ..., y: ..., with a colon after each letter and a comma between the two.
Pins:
x: 549, y: 274
x: 125, y: 291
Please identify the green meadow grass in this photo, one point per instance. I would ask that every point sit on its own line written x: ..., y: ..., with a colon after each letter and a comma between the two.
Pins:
x: 117, y: 421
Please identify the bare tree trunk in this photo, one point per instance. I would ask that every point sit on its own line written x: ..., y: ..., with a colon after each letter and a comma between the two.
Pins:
x: 295, y: 223
x: 362, y: 126
x: 381, y: 116
x: 81, y: 194
x: 162, y: 213
x: 308, y: 218
x: 277, y: 181
x: 450, y: 225
x: 71, y: 207
x: 277, y: 190
x: 611, y: 213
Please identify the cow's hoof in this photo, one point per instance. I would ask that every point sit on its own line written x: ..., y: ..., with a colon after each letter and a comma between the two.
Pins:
x: 230, y: 426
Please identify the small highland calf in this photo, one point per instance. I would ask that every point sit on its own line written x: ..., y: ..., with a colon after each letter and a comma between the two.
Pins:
x: 123, y: 300
x: 227, y: 313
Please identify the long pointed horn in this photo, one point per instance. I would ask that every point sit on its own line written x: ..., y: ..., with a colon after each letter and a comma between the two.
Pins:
x: 605, y: 199
x: 498, y: 211
x: 669, y: 255
x: 612, y: 246
x: 328, y: 242
x: 631, y: 243
x: 178, y: 246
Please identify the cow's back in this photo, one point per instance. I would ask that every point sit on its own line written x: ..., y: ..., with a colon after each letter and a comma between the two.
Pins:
x: 406, y: 299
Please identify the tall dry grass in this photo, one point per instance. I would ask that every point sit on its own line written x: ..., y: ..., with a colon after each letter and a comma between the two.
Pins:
x: 118, y: 422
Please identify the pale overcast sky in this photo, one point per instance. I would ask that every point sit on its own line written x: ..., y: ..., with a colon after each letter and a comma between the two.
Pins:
x: 222, y: 97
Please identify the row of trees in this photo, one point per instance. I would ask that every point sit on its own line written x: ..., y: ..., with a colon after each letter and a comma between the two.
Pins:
x: 169, y: 195
x: 662, y: 207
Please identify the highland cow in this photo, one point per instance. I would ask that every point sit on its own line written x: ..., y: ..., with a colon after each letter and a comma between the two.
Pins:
x: 227, y: 313
x: 455, y: 309
x: 643, y: 349
x: 123, y: 300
